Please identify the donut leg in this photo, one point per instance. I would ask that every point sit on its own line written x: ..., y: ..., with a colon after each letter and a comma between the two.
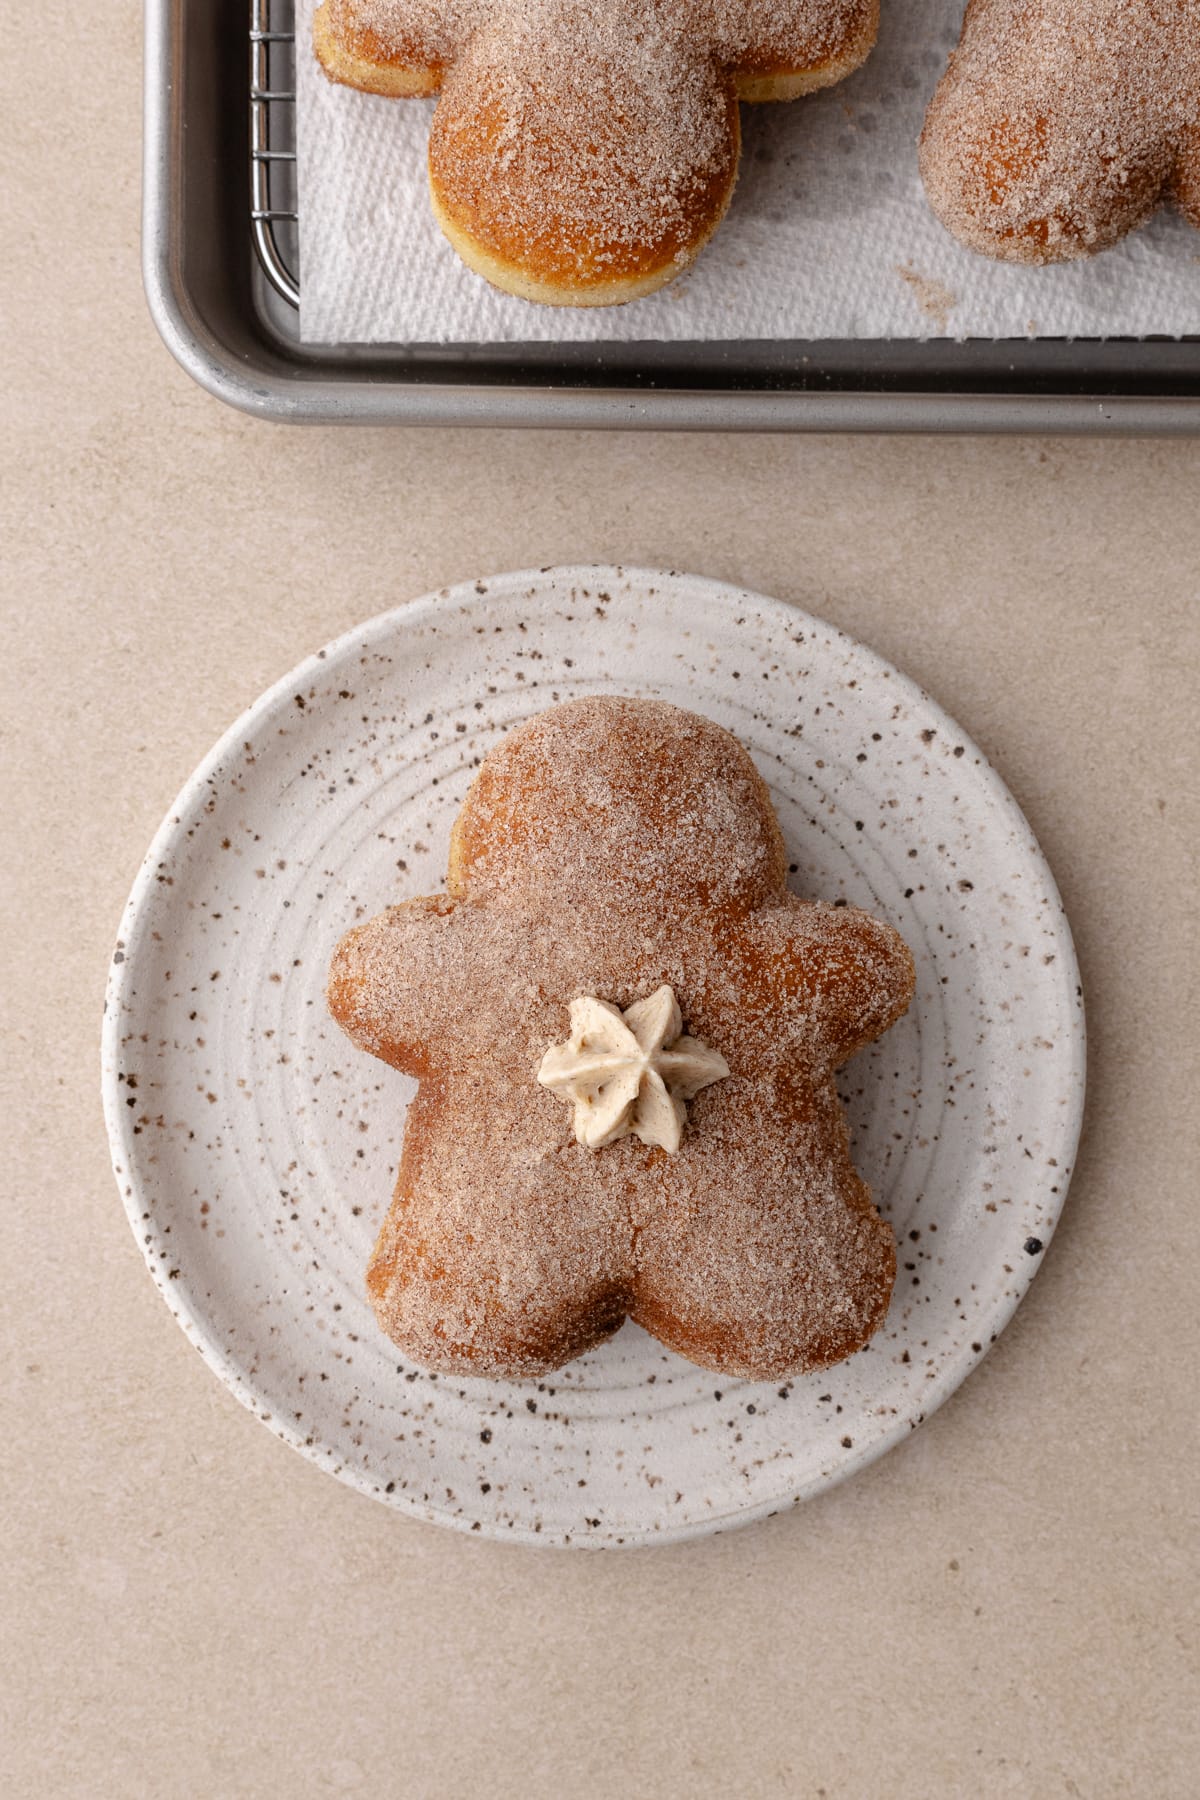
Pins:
x: 1022, y: 187
x: 1187, y: 178
x: 485, y: 1263
x: 763, y: 1258
x: 352, y: 53
x: 552, y: 190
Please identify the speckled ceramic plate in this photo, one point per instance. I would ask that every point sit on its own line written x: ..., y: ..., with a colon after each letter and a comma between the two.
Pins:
x: 256, y: 1149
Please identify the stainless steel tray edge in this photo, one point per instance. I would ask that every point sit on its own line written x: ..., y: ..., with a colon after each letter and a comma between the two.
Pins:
x: 204, y: 311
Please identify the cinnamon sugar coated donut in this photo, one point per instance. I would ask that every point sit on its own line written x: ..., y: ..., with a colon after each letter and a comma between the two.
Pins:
x: 583, y: 155
x: 1059, y: 125
x: 625, y: 852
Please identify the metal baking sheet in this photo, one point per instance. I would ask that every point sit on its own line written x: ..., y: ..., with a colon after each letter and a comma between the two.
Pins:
x: 234, y: 334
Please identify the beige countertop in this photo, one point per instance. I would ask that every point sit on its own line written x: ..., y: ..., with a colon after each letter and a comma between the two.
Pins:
x: 1003, y: 1605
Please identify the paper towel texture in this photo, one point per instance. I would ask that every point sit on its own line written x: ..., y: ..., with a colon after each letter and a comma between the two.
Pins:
x: 829, y: 234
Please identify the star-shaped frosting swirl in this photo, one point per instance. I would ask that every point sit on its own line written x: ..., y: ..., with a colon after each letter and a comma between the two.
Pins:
x: 630, y: 1072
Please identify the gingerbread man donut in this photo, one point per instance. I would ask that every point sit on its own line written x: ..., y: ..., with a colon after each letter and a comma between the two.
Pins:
x: 1059, y: 125
x: 575, y: 1156
x: 582, y: 155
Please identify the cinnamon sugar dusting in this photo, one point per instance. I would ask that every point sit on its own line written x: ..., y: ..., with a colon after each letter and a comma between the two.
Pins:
x: 1059, y: 124
x: 610, y: 847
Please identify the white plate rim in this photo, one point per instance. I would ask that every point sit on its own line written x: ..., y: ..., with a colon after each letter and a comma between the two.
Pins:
x: 138, y: 1207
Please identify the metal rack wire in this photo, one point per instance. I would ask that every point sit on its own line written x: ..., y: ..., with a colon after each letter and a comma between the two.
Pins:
x: 273, y: 214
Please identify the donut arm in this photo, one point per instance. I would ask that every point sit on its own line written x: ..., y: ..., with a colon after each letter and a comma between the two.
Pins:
x: 868, y: 977
x: 779, y: 53
x: 404, y: 59
x: 396, y: 983
x: 832, y: 977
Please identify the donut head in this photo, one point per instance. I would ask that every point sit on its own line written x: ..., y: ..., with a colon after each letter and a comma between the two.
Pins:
x: 638, y: 790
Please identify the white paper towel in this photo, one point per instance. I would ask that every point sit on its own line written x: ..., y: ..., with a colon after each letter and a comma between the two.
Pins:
x: 828, y: 235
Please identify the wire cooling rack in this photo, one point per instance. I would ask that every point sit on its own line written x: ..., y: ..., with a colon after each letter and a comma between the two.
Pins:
x: 273, y: 208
